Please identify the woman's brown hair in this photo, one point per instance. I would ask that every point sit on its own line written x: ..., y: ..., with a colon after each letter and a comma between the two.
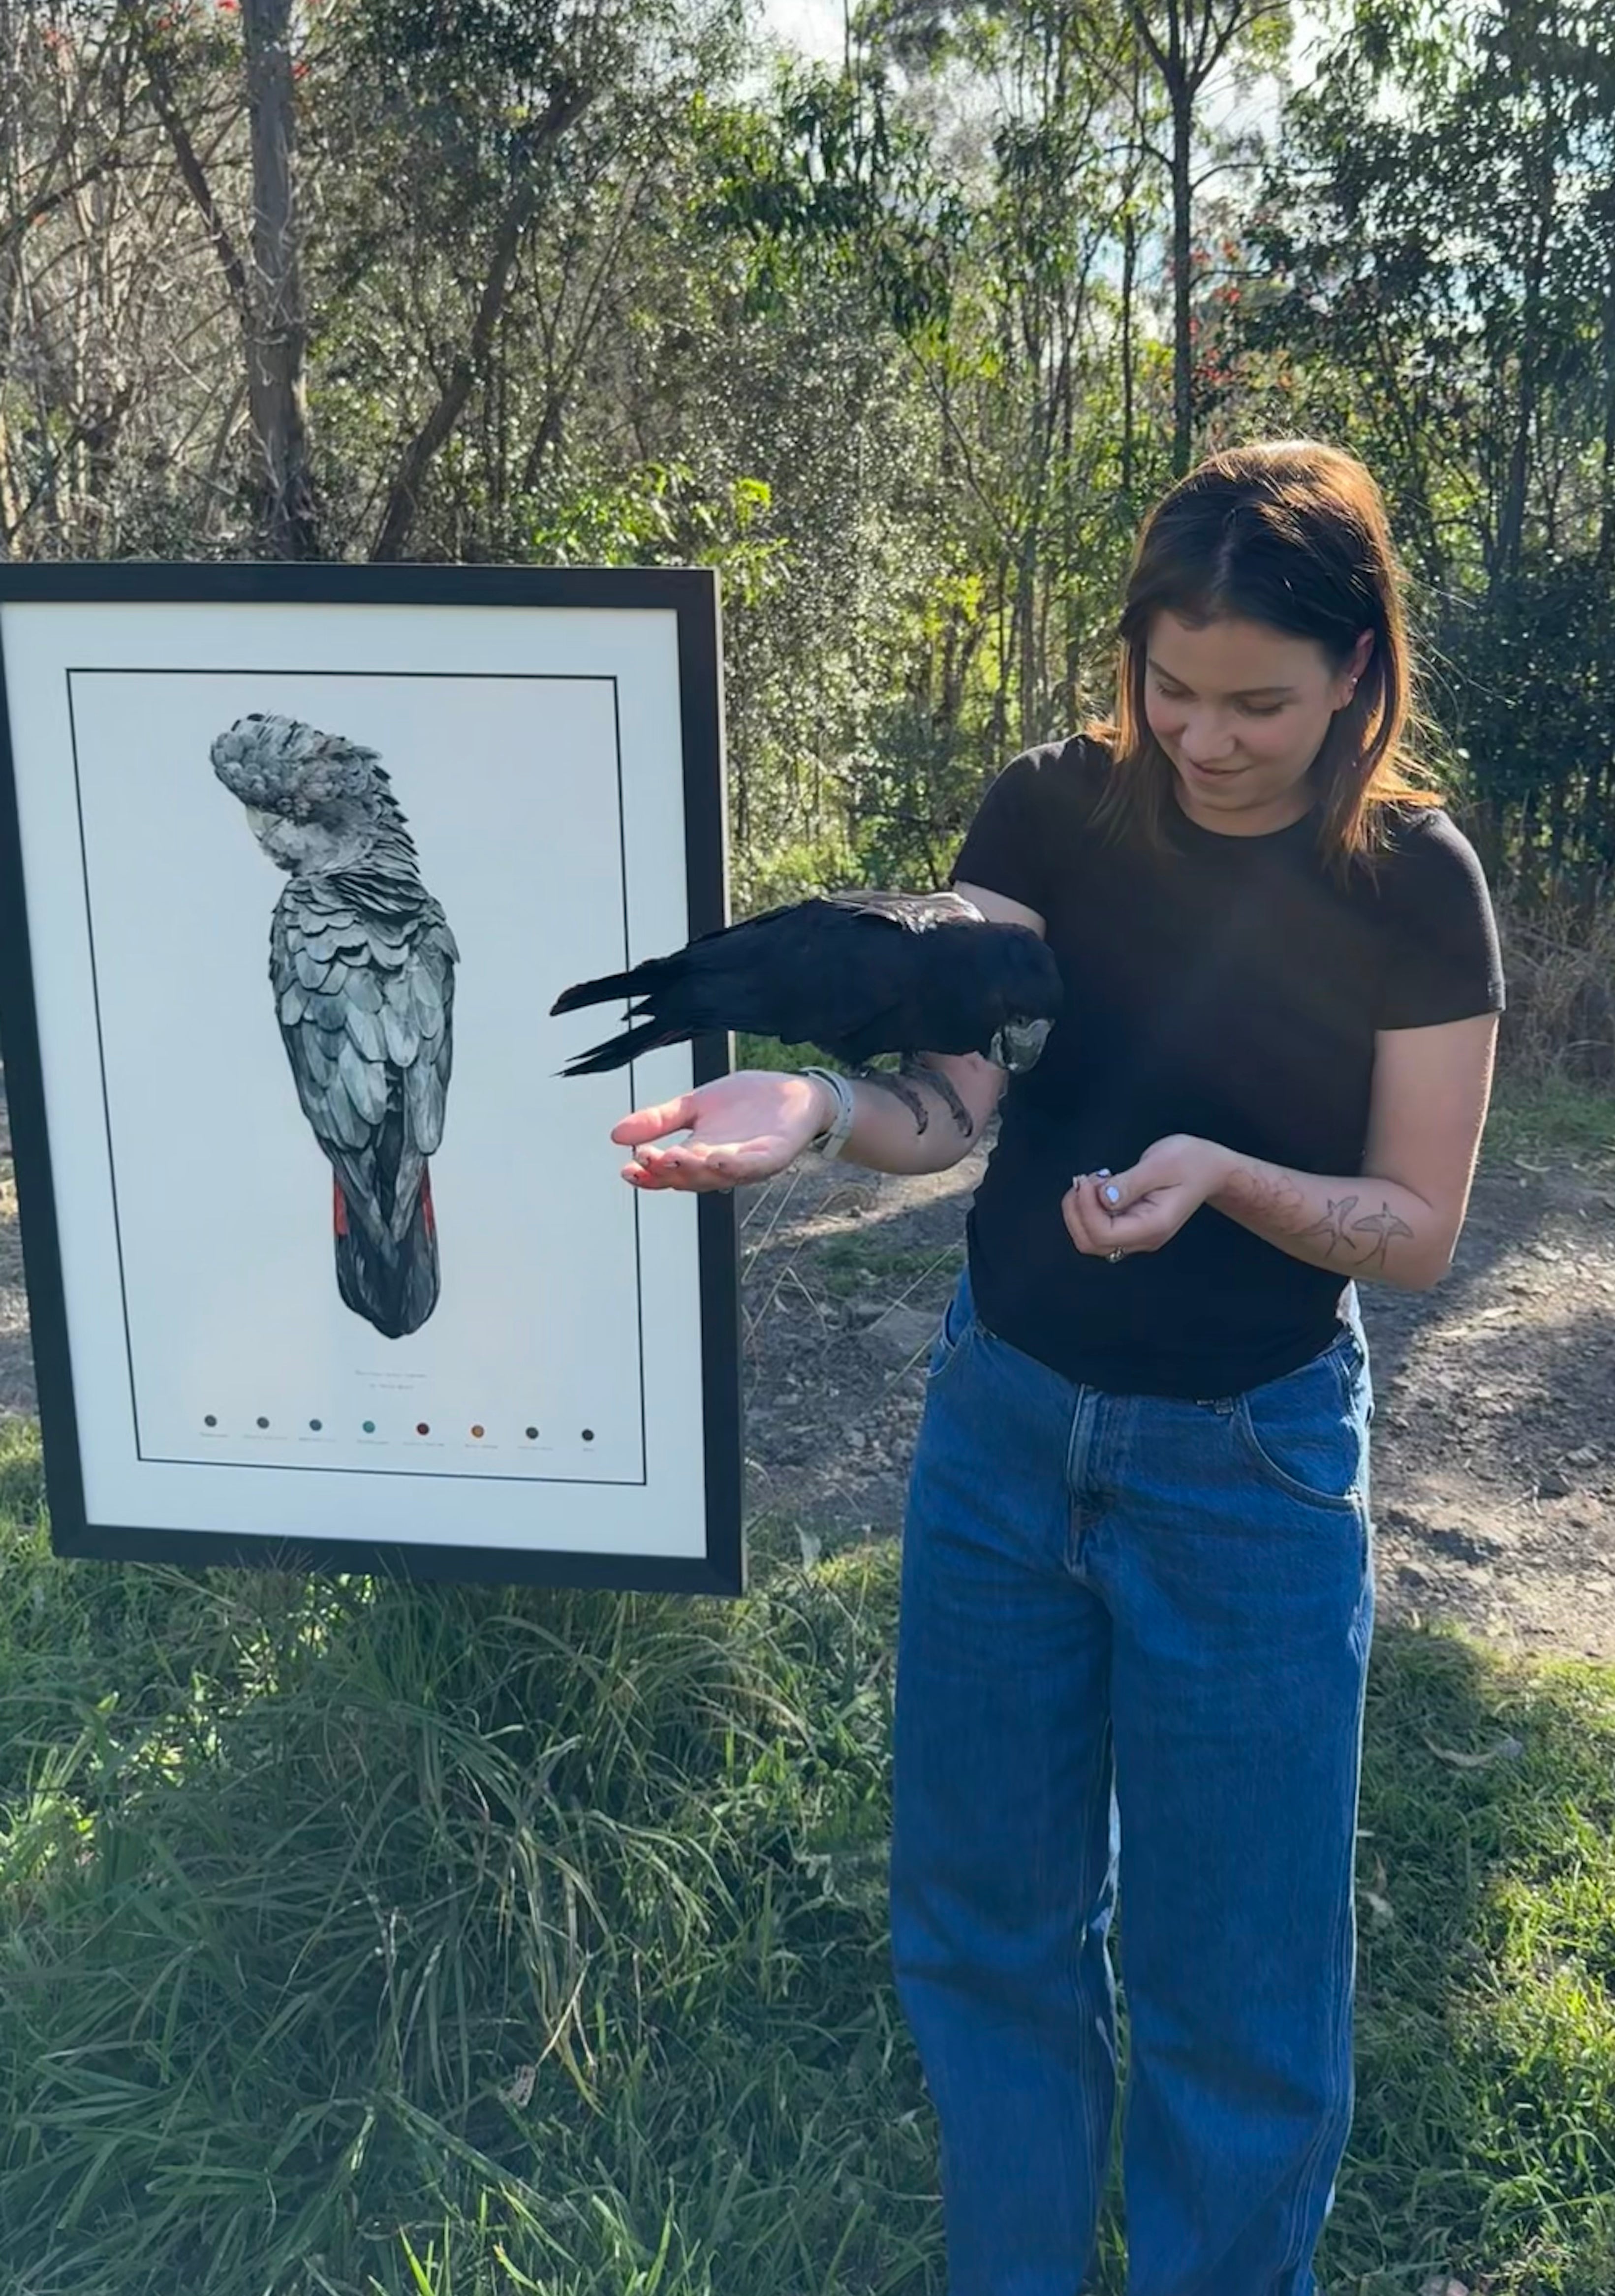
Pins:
x: 1294, y: 534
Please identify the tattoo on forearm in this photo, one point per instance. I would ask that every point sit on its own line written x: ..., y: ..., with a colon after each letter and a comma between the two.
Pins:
x: 1365, y: 1240
x: 1383, y: 1223
x: 1330, y: 1229
x: 1337, y: 1230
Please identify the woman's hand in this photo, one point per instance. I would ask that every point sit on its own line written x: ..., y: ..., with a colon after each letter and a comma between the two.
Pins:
x: 745, y: 1126
x: 1139, y: 1211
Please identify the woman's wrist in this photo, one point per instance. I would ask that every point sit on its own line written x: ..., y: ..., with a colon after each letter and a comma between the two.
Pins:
x: 1230, y: 1175
x: 827, y: 1107
x: 835, y: 1107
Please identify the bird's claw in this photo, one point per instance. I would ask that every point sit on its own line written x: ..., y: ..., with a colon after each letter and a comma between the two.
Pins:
x: 961, y: 1114
x: 890, y: 1081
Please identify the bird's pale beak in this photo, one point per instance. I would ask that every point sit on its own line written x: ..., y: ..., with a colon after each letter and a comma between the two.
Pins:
x: 1017, y: 1045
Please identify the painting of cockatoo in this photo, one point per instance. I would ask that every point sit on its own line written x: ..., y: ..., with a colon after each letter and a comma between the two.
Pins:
x: 362, y: 966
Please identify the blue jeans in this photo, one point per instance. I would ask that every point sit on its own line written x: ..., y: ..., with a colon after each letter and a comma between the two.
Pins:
x: 1134, y: 1636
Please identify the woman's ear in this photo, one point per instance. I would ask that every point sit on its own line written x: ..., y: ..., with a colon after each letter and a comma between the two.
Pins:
x: 1353, y: 671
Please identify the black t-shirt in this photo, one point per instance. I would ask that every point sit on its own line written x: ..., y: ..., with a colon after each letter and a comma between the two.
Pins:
x: 1229, y: 987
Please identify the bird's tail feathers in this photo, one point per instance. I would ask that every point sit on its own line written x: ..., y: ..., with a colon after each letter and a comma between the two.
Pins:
x: 392, y: 1285
x: 635, y: 982
x: 617, y: 1052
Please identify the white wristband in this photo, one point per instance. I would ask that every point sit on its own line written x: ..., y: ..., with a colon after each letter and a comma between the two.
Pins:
x: 834, y: 1138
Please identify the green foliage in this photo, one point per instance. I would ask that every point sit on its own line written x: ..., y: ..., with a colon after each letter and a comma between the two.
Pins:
x: 1536, y: 688
x: 834, y: 175
x: 1433, y: 233
x: 659, y: 514
x: 886, y: 343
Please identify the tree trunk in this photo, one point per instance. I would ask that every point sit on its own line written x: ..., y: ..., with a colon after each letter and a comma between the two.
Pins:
x: 1606, y: 515
x: 1000, y: 720
x: 1130, y: 264
x: 278, y: 338
x: 1511, y: 519
x: 1026, y: 636
x: 1181, y: 96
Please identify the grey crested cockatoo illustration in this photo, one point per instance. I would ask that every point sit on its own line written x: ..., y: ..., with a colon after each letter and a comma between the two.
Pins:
x: 362, y: 963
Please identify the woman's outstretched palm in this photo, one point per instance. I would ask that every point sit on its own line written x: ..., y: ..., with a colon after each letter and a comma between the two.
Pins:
x: 745, y: 1126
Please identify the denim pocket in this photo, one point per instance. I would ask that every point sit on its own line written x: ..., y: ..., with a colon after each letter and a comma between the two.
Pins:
x: 958, y: 1324
x: 1304, y: 1434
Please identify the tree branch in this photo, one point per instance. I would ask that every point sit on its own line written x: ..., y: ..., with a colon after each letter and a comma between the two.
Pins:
x: 195, y: 177
x: 565, y: 106
x: 1146, y: 33
x: 45, y: 203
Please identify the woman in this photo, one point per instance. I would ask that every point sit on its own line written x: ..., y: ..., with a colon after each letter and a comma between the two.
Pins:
x: 1136, y: 1585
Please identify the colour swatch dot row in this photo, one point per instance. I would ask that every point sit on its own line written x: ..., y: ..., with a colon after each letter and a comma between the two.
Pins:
x: 368, y: 1427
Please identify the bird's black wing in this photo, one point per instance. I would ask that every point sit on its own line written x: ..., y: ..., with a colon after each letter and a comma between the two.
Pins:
x: 831, y: 970
x: 859, y: 991
x: 840, y: 970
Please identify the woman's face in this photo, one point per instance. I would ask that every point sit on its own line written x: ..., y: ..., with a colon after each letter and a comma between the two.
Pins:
x: 1241, y: 710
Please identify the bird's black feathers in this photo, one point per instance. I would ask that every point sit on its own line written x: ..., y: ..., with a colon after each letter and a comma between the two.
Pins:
x: 855, y: 973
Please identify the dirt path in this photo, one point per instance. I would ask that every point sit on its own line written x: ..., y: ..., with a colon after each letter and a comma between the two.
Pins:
x: 1494, y: 1446
x: 1495, y: 1435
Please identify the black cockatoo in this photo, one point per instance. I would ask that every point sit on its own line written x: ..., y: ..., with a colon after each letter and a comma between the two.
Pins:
x: 855, y: 973
x: 362, y: 962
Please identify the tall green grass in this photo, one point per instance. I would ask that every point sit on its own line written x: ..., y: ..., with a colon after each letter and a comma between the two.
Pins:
x: 357, y: 1938
x: 536, y: 1933
x: 1552, y: 1118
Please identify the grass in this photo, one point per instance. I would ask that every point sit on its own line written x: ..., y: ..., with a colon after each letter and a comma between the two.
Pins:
x: 1549, y: 1119
x: 1485, y: 2136
x: 846, y: 1265
x: 361, y: 1938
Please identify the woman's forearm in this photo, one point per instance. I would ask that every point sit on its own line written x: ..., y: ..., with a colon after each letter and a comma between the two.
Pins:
x: 1363, y: 1227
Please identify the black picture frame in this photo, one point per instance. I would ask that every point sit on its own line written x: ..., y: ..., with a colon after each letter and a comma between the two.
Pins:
x: 692, y: 595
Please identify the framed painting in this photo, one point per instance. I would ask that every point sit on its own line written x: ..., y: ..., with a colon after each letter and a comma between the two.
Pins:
x: 328, y: 1267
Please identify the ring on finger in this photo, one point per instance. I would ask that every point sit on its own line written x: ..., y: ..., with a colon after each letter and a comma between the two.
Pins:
x: 1114, y: 1256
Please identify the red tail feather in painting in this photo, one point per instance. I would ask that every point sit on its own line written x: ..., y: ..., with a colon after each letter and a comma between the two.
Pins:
x: 392, y: 1286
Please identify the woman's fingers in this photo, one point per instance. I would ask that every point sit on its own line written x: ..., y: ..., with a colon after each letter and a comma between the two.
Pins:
x: 1143, y: 1226
x: 707, y: 1164
x: 688, y: 1183
x: 667, y: 1175
x: 1094, y: 1227
x: 653, y: 1123
x: 743, y: 1126
x: 1083, y: 1218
